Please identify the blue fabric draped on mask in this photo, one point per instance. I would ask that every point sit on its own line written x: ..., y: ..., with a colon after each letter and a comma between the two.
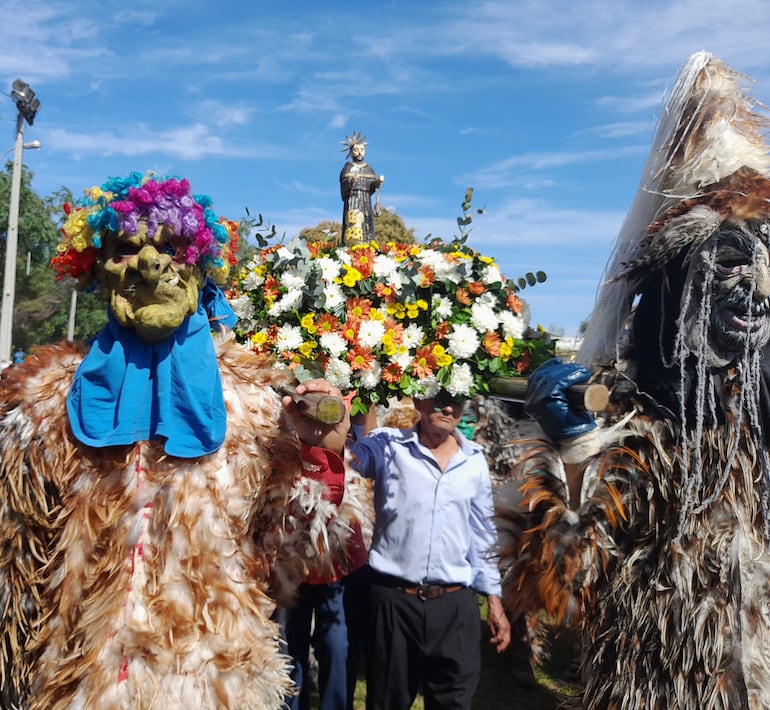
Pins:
x: 126, y: 390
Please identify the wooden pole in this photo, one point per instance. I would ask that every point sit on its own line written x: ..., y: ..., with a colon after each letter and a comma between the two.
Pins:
x: 591, y: 397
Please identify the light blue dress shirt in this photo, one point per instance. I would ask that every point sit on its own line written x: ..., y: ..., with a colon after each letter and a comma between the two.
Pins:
x: 431, y: 526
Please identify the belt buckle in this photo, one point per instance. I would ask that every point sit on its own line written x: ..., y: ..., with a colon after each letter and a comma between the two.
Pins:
x: 426, y: 592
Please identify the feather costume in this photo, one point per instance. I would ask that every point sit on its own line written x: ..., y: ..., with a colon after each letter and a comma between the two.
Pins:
x: 665, y: 559
x: 134, y: 579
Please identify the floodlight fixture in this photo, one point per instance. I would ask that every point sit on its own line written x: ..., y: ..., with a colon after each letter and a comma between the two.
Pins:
x: 26, y: 101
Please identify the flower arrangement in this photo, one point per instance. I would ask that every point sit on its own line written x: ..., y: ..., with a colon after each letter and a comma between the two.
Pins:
x: 145, y: 204
x: 387, y: 320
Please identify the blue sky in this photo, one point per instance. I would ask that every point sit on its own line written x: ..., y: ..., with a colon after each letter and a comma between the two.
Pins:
x: 547, y: 108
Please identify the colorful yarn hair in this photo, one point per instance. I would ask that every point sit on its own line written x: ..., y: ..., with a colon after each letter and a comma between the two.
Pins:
x: 144, y: 205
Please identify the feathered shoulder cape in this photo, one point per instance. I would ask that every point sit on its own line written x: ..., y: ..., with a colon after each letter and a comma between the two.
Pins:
x: 134, y: 579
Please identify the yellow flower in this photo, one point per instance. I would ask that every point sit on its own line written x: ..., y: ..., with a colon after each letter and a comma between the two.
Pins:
x: 486, y: 259
x: 352, y: 276
x: 397, y: 310
x: 443, y: 358
x: 259, y: 338
x: 388, y: 344
x: 374, y: 314
x: 261, y: 270
x: 506, y: 349
x: 413, y: 309
x: 308, y: 322
x: 306, y: 349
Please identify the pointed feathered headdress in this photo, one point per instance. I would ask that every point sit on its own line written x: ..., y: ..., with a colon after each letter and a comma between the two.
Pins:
x: 709, y: 160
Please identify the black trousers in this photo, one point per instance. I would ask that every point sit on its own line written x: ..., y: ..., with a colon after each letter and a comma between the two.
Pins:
x: 430, y: 645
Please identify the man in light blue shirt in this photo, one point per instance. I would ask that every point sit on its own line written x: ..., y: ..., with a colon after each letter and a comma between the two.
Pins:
x: 430, y: 554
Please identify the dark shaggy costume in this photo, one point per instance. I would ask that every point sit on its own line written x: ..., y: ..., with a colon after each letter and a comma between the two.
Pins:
x: 665, y: 559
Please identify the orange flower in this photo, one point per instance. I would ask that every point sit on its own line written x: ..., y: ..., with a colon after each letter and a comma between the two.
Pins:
x: 318, y: 248
x: 292, y: 358
x: 514, y: 303
x: 428, y: 276
x: 524, y: 362
x: 462, y: 296
x: 442, y: 329
x: 358, y: 307
x: 327, y: 323
x: 491, y: 343
x: 270, y: 288
x: 360, y: 358
x: 350, y: 329
x: 363, y: 260
x: 394, y: 330
x: 476, y: 288
x: 385, y: 292
x: 392, y: 373
x: 424, y: 363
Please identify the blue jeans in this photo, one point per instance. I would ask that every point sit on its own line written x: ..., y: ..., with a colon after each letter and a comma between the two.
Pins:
x: 324, y: 605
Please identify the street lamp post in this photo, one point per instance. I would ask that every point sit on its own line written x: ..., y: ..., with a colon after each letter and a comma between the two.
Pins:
x: 27, y: 106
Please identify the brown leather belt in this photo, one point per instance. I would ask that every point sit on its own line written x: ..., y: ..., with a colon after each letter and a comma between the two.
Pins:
x: 421, y: 591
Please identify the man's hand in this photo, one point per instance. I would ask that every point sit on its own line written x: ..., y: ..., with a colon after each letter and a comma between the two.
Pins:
x: 311, y: 432
x: 499, y: 626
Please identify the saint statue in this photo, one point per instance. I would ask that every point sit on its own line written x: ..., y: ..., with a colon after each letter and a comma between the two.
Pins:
x: 357, y: 184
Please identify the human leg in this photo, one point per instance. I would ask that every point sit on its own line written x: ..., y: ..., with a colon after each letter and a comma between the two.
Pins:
x: 356, y: 598
x: 453, y: 651
x: 297, y: 632
x: 393, y: 653
x: 330, y: 641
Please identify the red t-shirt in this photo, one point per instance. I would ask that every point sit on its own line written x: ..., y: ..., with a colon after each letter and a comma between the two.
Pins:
x: 327, y: 467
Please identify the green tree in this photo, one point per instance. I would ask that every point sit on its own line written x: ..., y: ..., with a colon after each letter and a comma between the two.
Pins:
x: 388, y: 227
x: 41, y: 304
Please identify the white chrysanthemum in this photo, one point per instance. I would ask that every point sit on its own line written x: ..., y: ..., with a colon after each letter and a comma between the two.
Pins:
x: 441, y: 306
x: 293, y: 279
x: 252, y: 281
x: 463, y: 341
x: 489, y: 298
x: 403, y: 357
x: 461, y: 380
x: 330, y: 268
x: 513, y: 325
x: 334, y: 297
x: 427, y: 388
x: 370, y: 333
x: 483, y: 318
x: 344, y: 256
x: 413, y: 336
x: 244, y: 310
x: 289, y: 337
x: 385, y: 267
x: 289, y: 301
x: 444, y: 269
x: 369, y: 379
x: 338, y: 373
x: 333, y: 343
x: 491, y: 274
